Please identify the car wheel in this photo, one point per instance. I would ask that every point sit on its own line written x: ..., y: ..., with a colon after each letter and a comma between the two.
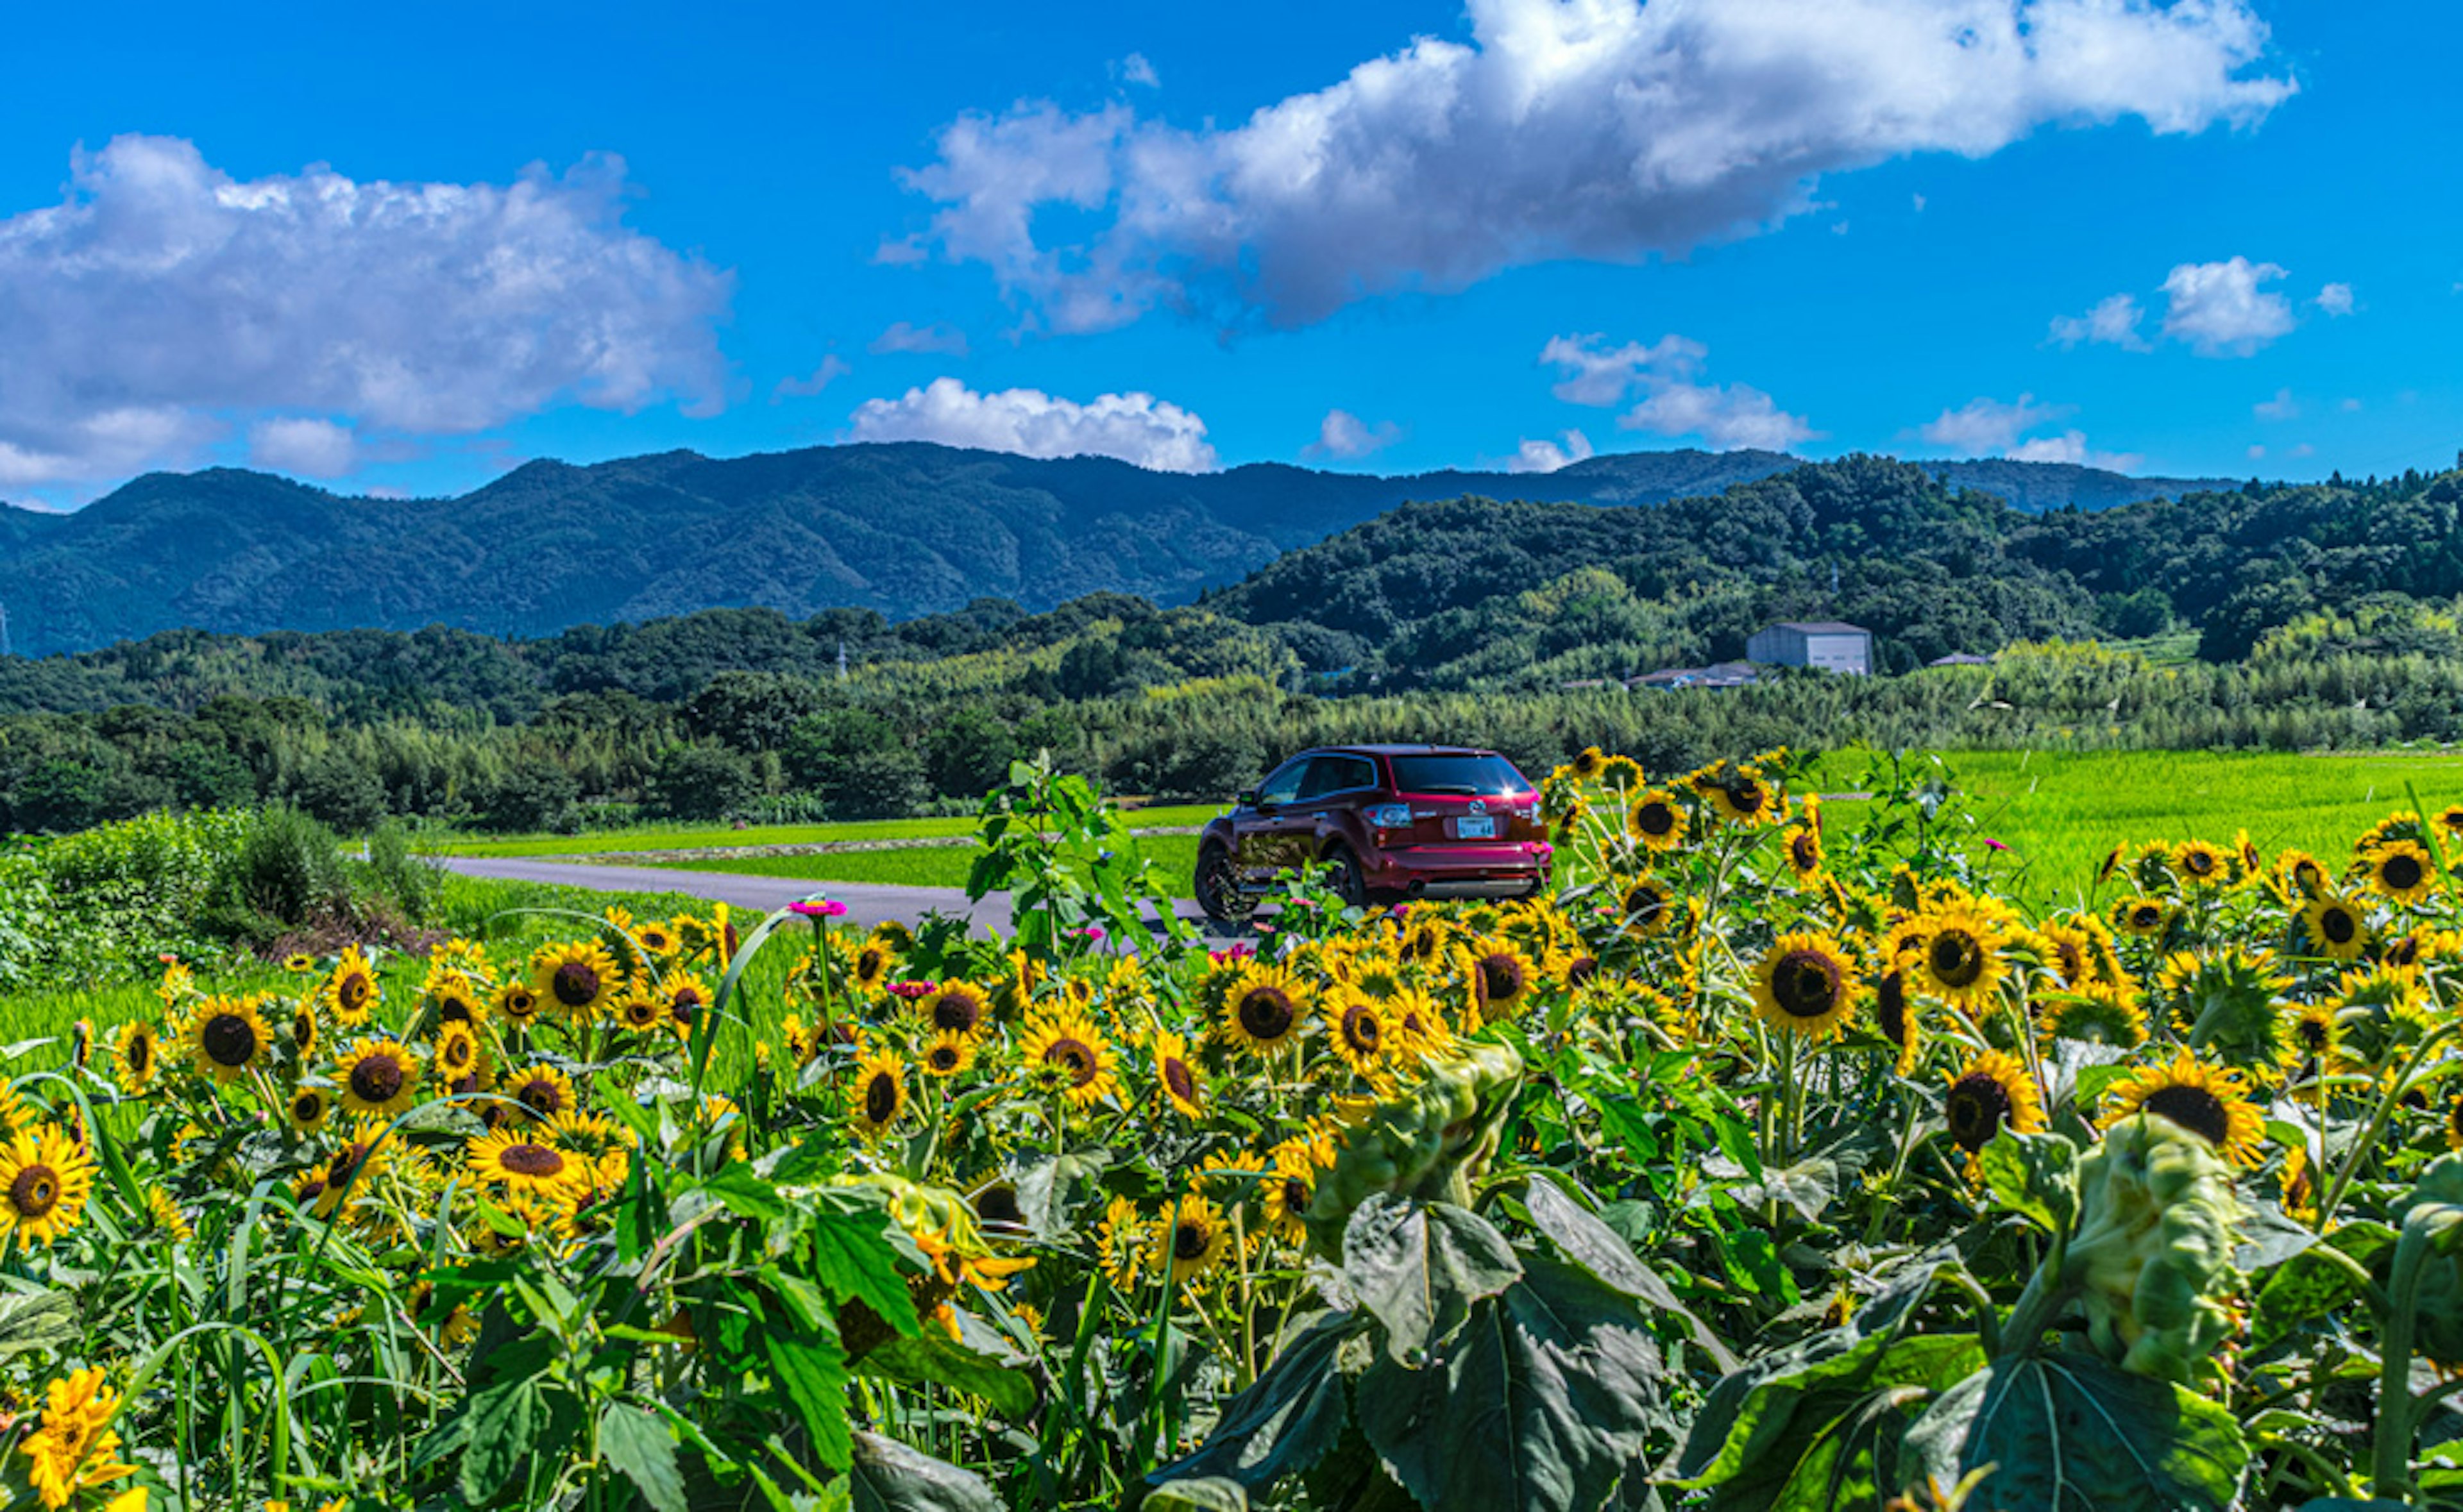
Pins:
x: 1218, y: 889
x: 1343, y: 874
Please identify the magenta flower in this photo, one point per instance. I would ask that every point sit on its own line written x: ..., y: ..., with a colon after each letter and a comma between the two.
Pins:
x: 910, y: 989
x: 1093, y: 932
x: 1994, y: 844
x: 818, y: 908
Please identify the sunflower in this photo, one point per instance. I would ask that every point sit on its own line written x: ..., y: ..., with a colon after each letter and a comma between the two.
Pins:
x: 458, y: 1053
x: 1068, y: 1047
x: 640, y: 1009
x: 2102, y: 1013
x: 517, y: 1001
x: 2335, y: 928
x: 1182, y: 1083
x: 1992, y: 1092
x: 1895, y: 1014
x: 2146, y: 917
x: 2111, y: 863
x: 2400, y: 870
x: 954, y: 1007
x: 1122, y: 1240
x: 2209, y: 1101
x: 2454, y: 1124
x: 2318, y: 1038
x: 1290, y: 1187
x: 1266, y: 1009
x: 227, y: 1036
x: 1501, y: 978
x: 351, y: 991
x: 1961, y: 961
x: 657, y: 938
x: 1357, y: 1026
x: 1416, y: 1024
x: 576, y: 979
x: 2201, y: 863
x: 1190, y: 1240
x: 455, y: 1000
x: 880, y: 1093
x: 163, y: 1216
x: 505, y: 1157
x: 1657, y: 820
x: 873, y: 962
x: 74, y: 1449
x: 1649, y: 906
x: 305, y: 1035
x: 136, y: 1055
x: 45, y: 1178
x: 308, y: 1109
x: 1588, y: 765
x: 542, y: 1090
x: 298, y: 963
x: 948, y: 1055
x: 380, y: 1077
x: 1804, y: 850
x: 1805, y: 986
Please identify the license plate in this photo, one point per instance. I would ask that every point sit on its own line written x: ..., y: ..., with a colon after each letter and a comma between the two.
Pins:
x: 1476, y: 827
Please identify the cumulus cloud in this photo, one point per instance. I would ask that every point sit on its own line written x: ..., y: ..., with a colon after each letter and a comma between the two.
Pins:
x: 1672, y: 404
x: 2219, y: 309
x: 831, y: 369
x: 1547, y: 456
x: 1344, y: 435
x: 1136, y: 70
x: 940, y: 339
x: 2336, y: 299
x: 2070, y: 446
x: 1134, y: 427
x: 1984, y: 426
x: 2282, y: 406
x: 1608, y: 130
x: 2112, y: 322
x: 303, y: 445
x: 161, y: 299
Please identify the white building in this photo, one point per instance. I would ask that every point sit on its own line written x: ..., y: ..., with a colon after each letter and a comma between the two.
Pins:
x: 1823, y: 643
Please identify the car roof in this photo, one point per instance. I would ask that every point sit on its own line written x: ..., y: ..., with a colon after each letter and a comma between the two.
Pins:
x: 1398, y: 750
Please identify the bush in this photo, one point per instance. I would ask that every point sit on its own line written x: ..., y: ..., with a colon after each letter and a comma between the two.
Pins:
x: 532, y: 794
x: 701, y: 783
x: 286, y: 871
x: 399, y: 874
x: 341, y: 792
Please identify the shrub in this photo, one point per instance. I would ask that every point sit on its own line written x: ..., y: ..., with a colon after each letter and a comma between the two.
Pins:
x: 286, y: 871
x: 340, y: 793
x: 701, y: 783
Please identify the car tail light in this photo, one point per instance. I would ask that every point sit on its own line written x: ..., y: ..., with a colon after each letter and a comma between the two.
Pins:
x: 1389, y: 815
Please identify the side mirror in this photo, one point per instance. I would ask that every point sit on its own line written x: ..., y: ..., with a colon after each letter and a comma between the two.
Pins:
x: 1246, y: 798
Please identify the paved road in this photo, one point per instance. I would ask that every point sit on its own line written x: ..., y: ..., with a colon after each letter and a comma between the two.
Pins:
x: 867, y: 902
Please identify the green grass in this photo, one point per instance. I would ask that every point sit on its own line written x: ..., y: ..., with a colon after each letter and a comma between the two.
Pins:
x: 656, y: 837
x: 924, y: 866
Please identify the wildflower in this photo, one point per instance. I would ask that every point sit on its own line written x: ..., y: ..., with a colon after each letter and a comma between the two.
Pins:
x: 1804, y: 986
x: 75, y: 1448
x: 45, y: 1180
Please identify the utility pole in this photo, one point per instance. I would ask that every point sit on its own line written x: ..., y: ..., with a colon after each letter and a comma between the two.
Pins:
x: 842, y: 658
x: 7, y: 647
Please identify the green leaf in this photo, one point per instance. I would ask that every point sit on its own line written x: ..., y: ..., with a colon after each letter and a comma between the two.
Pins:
x: 505, y: 1421
x: 812, y: 1369
x: 1287, y: 1421
x: 641, y: 1447
x: 35, y: 1320
x: 933, y: 1356
x: 746, y: 1195
x: 1418, y: 1267
x: 888, y: 1477
x: 2036, y: 1174
x: 1540, y: 1403
x: 2313, y: 1285
x: 1211, y: 1494
x: 2068, y: 1433
x: 1582, y: 1236
x: 851, y: 1256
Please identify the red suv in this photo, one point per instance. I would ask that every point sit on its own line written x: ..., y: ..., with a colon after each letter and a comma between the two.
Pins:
x: 1387, y: 821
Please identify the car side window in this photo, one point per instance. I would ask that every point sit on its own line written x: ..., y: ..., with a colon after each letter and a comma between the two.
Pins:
x: 1285, y: 785
x: 1332, y: 774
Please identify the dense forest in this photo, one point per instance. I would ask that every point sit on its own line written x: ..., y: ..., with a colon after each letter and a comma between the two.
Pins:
x: 2320, y: 615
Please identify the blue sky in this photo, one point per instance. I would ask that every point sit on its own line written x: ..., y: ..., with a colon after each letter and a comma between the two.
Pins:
x: 2209, y: 238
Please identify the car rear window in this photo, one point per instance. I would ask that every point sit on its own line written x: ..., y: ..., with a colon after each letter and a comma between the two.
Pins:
x: 1480, y: 776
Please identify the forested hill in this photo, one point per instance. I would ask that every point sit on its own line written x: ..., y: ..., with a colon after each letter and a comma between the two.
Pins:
x: 906, y: 529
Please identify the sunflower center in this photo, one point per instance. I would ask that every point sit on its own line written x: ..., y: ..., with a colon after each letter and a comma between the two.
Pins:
x: 377, y: 1079
x: 1360, y: 1029
x: 1266, y: 1014
x: 458, y: 1052
x: 2194, y: 1108
x: 1075, y: 1058
x: 998, y: 1204
x: 1500, y: 979
x: 307, y: 1107
x: 2313, y: 1034
x: 542, y: 1097
x: 1296, y: 1195
x: 1747, y: 798
x: 303, y: 1028
x: 1890, y: 1008
x: 2199, y: 863
x: 1805, y: 985
x: 454, y: 1010
x: 1655, y: 819
x: 520, y: 1004
x: 867, y: 965
x: 1978, y: 1106
x: 35, y: 1191
x: 141, y: 1053
x: 1801, y: 851
x: 1177, y: 1077
x: 228, y: 1040
x: 533, y: 1160
x: 1956, y: 957
x: 880, y: 1098
x: 1582, y: 970
x: 1646, y: 904
x: 941, y: 1058
x: 2147, y: 916
x: 574, y: 983
x: 345, y: 1163
x: 354, y: 992
x: 955, y: 1012
x: 1190, y: 1239
x: 2402, y: 871
x: 2338, y: 926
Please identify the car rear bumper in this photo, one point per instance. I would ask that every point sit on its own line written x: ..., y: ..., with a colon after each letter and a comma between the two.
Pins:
x: 1459, y: 870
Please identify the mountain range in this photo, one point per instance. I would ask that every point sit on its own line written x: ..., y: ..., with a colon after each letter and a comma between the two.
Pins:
x: 904, y: 528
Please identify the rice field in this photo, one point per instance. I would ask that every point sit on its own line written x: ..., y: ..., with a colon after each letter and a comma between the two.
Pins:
x: 679, y: 837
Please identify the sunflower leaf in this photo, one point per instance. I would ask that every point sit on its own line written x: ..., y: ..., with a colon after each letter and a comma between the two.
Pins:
x: 1418, y: 1267
x: 504, y: 1423
x: 640, y: 1446
x: 2036, y: 1174
x: 811, y: 1368
x: 889, y: 1477
x: 853, y: 1260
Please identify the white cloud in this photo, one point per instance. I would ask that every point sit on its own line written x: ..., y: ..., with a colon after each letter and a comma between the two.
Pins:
x: 161, y: 301
x: 1607, y: 130
x: 2219, y: 309
x: 1134, y: 427
x: 1136, y: 70
x: 2070, y: 446
x: 1546, y: 455
x: 940, y: 339
x: 2336, y: 299
x: 1346, y: 435
x: 2282, y: 406
x: 1726, y: 416
x: 1984, y: 424
x: 303, y: 445
x: 2257, y: 452
x: 831, y: 369
x: 2113, y: 322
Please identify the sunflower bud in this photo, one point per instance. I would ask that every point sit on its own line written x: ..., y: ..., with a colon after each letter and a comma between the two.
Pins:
x: 1430, y: 1140
x: 2152, y: 1254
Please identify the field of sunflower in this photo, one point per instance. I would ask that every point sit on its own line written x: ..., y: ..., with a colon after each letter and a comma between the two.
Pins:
x: 1770, y: 1164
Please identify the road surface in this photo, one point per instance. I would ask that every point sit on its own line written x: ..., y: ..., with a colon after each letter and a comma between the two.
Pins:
x: 867, y: 902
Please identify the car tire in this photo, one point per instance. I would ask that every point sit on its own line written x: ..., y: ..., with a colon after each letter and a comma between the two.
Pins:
x: 1342, y: 869
x: 1218, y: 889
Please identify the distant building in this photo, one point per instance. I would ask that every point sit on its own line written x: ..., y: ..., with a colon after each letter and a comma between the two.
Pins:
x: 1823, y: 643
x: 1961, y: 659
x: 1722, y: 675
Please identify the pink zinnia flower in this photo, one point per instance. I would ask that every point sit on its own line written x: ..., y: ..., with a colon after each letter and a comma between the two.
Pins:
x: 818, y: 908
